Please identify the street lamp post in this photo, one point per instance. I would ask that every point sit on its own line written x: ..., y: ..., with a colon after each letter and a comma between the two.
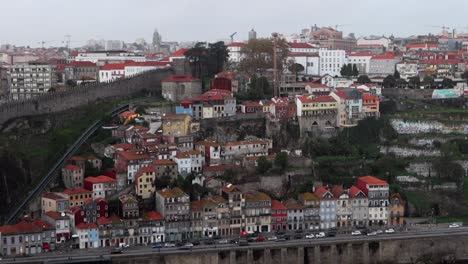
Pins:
x: 275, y: 66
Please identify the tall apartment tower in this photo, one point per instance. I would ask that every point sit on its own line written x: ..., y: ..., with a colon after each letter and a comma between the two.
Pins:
x: 252, y: 34
x: 27, y: 80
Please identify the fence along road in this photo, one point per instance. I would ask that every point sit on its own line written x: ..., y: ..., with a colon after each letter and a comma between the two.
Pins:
x: 53, y: 172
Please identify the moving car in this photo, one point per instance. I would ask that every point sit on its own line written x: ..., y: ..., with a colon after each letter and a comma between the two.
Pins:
x: 454, y: 225
x: 243, y: 243
x: 310, y: 236
x: 372, y: 233
x: 169, y: 245
x: 356, y: 233
x: 157, y: 245
x: 379, y: 232
x: 223, y: 241
x: 117, y: 250
x: 320, y: 235
x: 272, y: 238
x: 187, y: 246
x: 390, y: 231
x: 260, y: 239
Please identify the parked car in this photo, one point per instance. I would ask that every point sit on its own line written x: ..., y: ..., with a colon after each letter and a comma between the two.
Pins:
x: 454, y: 225
x: 169, y: 245
x: 116, y: 250
x: 379, y: 232
x: 243, y: 243
x: 187, y: 246
x: 157, y: 245
x: 320, y: 235
x: 310, y: 236
x: 390, y: 231
x: 372, y: 233
x: 299, y: 231
x: 209, y: 242
x: 279, y: 233
x: 356, y: 233
x: 260, y: 239
x: 298, y: 236
x: 196, y: 242
x: 272, y: 238
x: 223, y: 241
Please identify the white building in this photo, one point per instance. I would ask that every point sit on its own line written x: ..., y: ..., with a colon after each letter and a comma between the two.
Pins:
x: 235, y: 51
x: 190, y: 161
x: 376, y: 41
x: 111, y: 72
x: 108, y: 57
x: 135, y: 68
x: 407, y: 70
x: 88, y: 235
x: 114, y: 45
x: 361, y: 60
x: 310, y: 61
x: 331, y: 62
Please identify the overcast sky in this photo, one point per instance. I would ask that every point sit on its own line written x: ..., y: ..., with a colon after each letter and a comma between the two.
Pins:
x: 27, y: 22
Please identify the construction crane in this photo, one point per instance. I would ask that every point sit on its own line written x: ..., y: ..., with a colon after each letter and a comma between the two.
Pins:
x: 337, y: 26
x: 445, y: 30
x: 43, y: 42
x: 232, y: 36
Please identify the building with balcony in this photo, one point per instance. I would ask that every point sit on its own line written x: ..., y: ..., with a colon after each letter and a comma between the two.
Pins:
x: 377, y: 191
x: 174, y: 205
x: 27, y: 80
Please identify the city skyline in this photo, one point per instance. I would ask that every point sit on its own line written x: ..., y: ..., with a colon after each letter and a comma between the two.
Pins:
x: 186, y: 20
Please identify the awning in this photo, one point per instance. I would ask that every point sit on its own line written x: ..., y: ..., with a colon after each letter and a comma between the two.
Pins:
x: 45, y: 246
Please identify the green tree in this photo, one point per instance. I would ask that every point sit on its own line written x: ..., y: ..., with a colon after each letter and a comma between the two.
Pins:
x: 140, y: 110
x: 258, y: 55
x: 414, y: 82
x: 428, y: 81
x: 355, y: 70
x: 400, y: 83
x: 218, y: 55
x: 90, y: 170
x: 207, y: 60
x: 197, y: 58
x: 447, y: 83
x: 396, y: 74
x: 296, y: 68
x: 263, y: 165
x: 363, y: 79
x: 344, y: 70
x: 389, y: 82
x: 281, y: 160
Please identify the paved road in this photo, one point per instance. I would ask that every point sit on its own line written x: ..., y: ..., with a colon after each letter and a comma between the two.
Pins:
x: 104, y: 253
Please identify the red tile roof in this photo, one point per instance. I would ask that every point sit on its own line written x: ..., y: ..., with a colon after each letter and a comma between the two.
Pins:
x: 86, y: 226
x: 300, y: 45
x: 196, y: 206
x: 154, y: 216
x: 56, y: 215
x: 163, y: 162
x: 422, y: 46
x: 366, y: 96
x: 81, y: 64
x: 127, y: 155
x: 145, y: 170
x: 354, y: 191
x: 317, y: 99
x: 71, y: 167
x: 321, y: 191
x: 124, y: 146
x: 22, y: 227
x: 387, y: 56
x: 277, y: 205
x: 337, y: 191
x: 180, y: 78
x: 236, y: 44
x: 127, y: 114
x: 360, y: 54
x: 76, y: 191
x: 113, y: 66
x: 372, y: 180
x: 104, y: 221
x: 178, y: 53
x: 53, y: 196
x: 99, y: 179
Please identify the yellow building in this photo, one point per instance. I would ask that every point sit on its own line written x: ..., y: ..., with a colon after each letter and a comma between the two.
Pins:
x: 316, y: 105
x: 175, y: 125
x: 397, y: 209
x: 145, y: 186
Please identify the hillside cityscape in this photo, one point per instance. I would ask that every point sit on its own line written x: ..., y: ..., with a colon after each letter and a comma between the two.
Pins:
x: 314, y: 146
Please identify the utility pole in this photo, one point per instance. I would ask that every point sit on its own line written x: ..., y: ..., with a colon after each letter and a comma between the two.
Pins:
x: 275, y: 65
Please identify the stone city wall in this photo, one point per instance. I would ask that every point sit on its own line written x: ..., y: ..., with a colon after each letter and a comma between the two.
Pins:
x: 82, y: 95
